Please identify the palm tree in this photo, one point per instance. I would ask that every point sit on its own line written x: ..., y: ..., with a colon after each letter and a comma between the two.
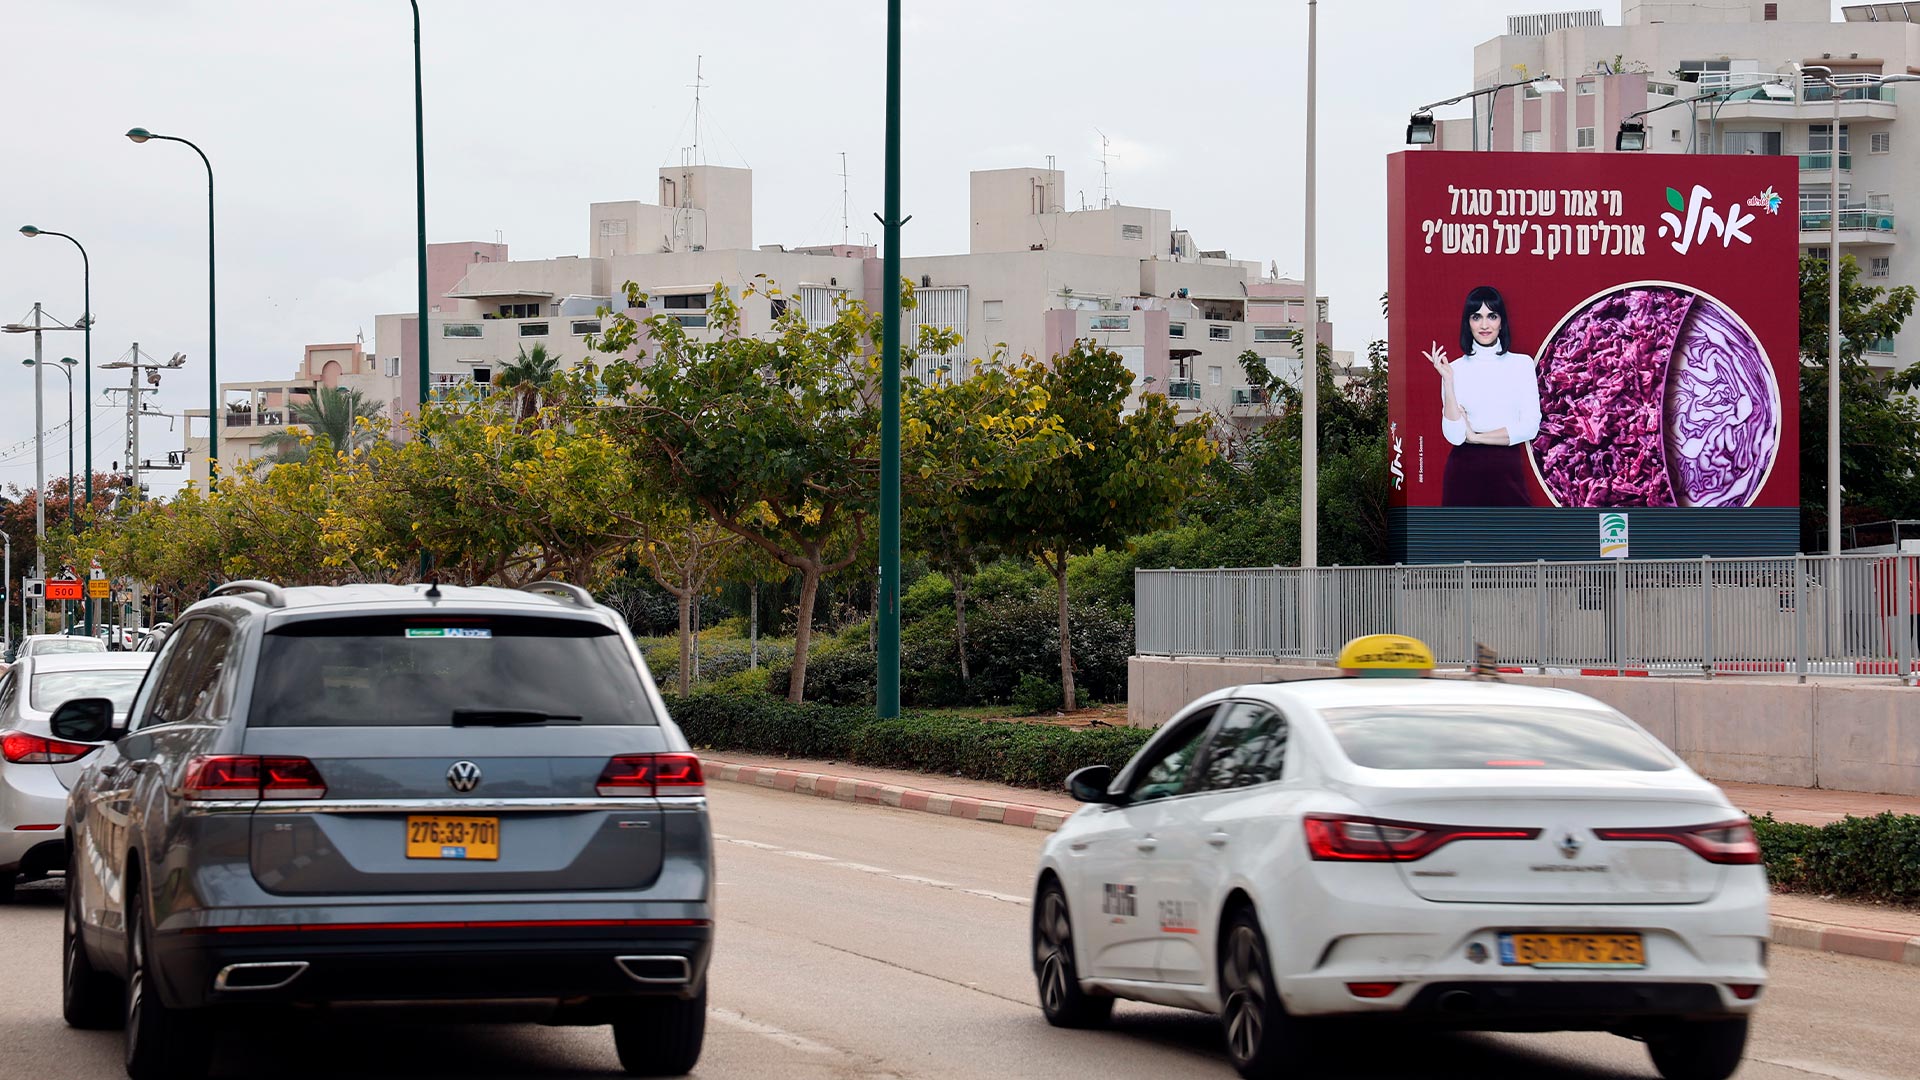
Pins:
x: 526, y: 375
x: 329, y: 413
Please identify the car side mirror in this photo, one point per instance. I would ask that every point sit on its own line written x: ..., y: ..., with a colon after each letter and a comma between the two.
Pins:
x: 1089, y: 785
x: 83, y: 720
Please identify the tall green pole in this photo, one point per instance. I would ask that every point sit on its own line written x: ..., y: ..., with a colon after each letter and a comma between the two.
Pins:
x: 215, y: 415
x: 420, y: 251
x: 887, y: 693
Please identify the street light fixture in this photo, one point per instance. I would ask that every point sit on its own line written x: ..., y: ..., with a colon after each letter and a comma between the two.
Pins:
x: 141, y: 135
x: 86, y: 284
x: 1420, y: 128
x: 1632, y: 135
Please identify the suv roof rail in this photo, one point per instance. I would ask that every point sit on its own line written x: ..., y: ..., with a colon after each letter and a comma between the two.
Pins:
x: 270, y: 594
x: 563, y: 589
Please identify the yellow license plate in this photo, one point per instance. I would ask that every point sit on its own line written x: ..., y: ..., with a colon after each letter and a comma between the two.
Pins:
x: 440, y: 837
x: 1572, y: 950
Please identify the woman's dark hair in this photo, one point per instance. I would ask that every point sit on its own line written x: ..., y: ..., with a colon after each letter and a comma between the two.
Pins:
x: 1490, y: 296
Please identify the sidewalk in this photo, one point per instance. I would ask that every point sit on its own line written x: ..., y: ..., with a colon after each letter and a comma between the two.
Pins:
x: 1800, y: 921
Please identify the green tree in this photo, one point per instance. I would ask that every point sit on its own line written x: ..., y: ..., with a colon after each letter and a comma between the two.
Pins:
x: 1879, y: 416
x: 330, y: 414
x: 527, y: 376
x: 1128, y: 473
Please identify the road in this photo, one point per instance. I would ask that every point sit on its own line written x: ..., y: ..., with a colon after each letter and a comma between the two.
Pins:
x: 865, y: 942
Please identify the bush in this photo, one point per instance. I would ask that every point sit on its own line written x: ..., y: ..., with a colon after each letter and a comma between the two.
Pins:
x: 926, y: 597
x: 1869, y: 858
x: 720, y: 658
x: 836, y: 674
x: 1036, y: 695
x: 1026, y: 755
x: 1008, y: 580
x: 1006, y: 641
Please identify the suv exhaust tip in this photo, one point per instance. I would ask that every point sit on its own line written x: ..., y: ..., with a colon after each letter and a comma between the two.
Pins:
x: 271, y: 975
x: 656, y: 970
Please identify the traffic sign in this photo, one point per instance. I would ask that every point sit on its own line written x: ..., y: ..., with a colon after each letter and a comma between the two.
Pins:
x: 63, y: 589
x: 96, y: 574
x: 34, y: 588
x: 99, y: 588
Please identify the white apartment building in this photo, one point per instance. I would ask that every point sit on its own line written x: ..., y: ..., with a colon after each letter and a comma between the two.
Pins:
x: 1036, y: 277
x: 1747, y: 55
x: 255, y: 410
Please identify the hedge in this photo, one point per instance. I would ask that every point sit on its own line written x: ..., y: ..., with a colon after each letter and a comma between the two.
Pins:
x: 1024, y: 755
x: 1866, y: 858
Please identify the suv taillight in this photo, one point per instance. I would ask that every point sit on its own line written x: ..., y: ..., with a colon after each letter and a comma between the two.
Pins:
x: 20, y: 748
x: 652, y: 774
x: 241, y: 776
x: 1729, y: 843
x: 1341, y: 838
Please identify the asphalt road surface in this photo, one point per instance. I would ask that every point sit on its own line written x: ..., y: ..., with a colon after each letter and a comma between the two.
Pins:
x: 864, y: 942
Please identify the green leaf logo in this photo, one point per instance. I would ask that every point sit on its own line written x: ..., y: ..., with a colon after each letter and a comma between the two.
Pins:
x: 1674, y: 200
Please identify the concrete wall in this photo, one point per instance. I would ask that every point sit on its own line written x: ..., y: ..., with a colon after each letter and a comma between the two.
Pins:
x: 1842, y: 736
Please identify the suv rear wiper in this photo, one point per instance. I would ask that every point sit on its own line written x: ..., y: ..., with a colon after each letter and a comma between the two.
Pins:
x: 504, y: 717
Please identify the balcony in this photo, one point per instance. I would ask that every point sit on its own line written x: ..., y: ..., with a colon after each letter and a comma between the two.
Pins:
x: 1822, y: 162
x: 1858, y: 225
x: 1861, y: 98
x: 1250, y: 395
x: 263, y: 418
x: 1184, y: 389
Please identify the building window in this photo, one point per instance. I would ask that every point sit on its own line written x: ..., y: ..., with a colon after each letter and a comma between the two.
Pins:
x: 1583, y: 138
x: 519, y: 311
x: 1587, y: 88
x: 1674, y: 135
x: 1820, y: 138
x: 1532, y: 141
x: 817, y: 304
x: 1820, y: 253
x: 1769, y: 12
x: 1219, y: 333
x: 1272, y: 333
x: 584, y: 326
x: 943, y: 308
x: 1176, y: 329
x: 1133, y: 232
x: 1814, y: 200
x: 393, y: 367
x: 1107, y: 323
x: 1882, y: 142
x: 1750, y: 142
x: 1880, y: 266
x: 1213, y: 375
x: 483, y: 375
x: 459, y: 329
x: 691, y: 322
x: 992, y: 310
x: 533, y: 329
x: 685, y: 302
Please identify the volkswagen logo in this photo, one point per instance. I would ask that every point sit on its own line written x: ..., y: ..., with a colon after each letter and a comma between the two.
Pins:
x: 1569, y: 844
x: 463, y: 776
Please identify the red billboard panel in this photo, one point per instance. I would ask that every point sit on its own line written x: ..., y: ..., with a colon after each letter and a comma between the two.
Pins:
x: 1593, y: 331
x: 63, y: 589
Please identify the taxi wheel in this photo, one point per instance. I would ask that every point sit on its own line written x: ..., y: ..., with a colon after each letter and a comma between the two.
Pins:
x: 1061, y: 999
x: 89, y: 998
x: 1261, y: 1037
x: 1698, y: 1050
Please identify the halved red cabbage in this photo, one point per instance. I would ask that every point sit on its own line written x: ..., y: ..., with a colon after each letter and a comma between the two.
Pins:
x: 1655, y: 396
x: 1723, y: 423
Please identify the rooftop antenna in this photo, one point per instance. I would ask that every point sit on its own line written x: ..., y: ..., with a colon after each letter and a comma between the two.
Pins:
x: 697, y: 83
x: 843, y: 198
x: 1105, y: 188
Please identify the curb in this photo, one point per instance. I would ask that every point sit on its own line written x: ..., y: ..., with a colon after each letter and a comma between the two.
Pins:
x: 848, y: 789
x: 1793, y: 933
x: 1846, y: 940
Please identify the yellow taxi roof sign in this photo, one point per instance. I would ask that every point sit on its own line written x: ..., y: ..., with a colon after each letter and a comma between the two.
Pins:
x: 1386, y: 656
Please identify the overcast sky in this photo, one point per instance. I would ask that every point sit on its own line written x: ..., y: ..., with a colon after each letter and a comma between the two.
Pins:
x: 533, y: 111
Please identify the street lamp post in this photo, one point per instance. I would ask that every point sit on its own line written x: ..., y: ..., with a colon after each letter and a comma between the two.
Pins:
x: 887, y: 683
x: 420, y: 202
x: 1310, y: 360
x: 141, y: 135
x: 1420, y: 129
x: 86, y: 285
x: 65, y: 368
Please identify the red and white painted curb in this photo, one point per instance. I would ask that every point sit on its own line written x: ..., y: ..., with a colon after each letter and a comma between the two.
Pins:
x: 1794, y: 933
x: 848, y: 789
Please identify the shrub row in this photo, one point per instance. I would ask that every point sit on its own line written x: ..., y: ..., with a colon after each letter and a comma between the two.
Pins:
x: 1025, y: 755
x: 1867, y: 858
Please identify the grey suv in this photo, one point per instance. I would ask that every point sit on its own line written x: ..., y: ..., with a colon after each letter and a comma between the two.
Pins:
x: 389, y: 795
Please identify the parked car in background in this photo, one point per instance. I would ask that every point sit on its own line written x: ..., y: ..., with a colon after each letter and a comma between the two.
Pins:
x: 50, y: 644
x: 151, y: 640
x: 36, y: 768
x: 414, y: 795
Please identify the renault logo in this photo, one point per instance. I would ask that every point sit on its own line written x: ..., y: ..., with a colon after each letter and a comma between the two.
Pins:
x: 1569, y: 844
x: 463, y: 776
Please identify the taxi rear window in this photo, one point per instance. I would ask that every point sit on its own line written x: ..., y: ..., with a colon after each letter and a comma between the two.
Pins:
x: 1493, y: 737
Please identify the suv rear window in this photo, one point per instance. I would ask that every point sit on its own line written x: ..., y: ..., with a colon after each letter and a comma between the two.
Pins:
x: 414, y: 671
x: 1493, y: 737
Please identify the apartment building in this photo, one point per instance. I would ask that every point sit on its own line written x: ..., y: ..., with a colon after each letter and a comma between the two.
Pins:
x: 1726, y: 77
x: 1035, y: 278
x: 254, y: 411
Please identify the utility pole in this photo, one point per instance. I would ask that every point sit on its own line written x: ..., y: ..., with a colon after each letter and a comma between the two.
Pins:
x: 887, y: 690
x: 1310, y: 365
x: 6, y: 582
x: 39, y: 475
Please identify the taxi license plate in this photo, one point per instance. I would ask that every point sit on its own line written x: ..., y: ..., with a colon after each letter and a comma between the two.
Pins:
x: 1572, y: 950
x: 440, y: 837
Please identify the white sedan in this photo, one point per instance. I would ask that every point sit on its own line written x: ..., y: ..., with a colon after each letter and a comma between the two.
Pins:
x: 1472, y: 855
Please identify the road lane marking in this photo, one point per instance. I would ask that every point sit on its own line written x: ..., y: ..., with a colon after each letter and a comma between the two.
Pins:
x: 768, y: 1031
x: 878, y: 871
x: 1815, y: 1068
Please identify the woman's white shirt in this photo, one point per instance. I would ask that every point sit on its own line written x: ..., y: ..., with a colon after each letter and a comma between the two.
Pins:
x: 1495, y: 390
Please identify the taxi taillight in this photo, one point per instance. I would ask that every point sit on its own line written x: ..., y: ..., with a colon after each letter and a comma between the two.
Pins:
x: 1344, y: 838
x: 652, y: 774
x: 1729, y: 843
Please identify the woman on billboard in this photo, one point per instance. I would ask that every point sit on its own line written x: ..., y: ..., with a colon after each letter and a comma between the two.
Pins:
x: 1489, y: 408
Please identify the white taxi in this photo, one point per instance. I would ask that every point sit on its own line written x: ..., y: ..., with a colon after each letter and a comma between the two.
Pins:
x: 1475, y: 855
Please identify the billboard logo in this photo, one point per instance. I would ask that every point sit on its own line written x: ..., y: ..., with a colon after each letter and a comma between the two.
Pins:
x: 1396, y: 467
x: 1770, y: 199
x: 1613, y: 536
x: 1703, y: 221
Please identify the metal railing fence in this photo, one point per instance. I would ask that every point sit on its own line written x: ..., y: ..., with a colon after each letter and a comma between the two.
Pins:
x: 1802, y: 615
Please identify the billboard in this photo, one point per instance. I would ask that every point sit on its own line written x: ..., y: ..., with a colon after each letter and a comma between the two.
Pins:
x: 1583, y: 334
